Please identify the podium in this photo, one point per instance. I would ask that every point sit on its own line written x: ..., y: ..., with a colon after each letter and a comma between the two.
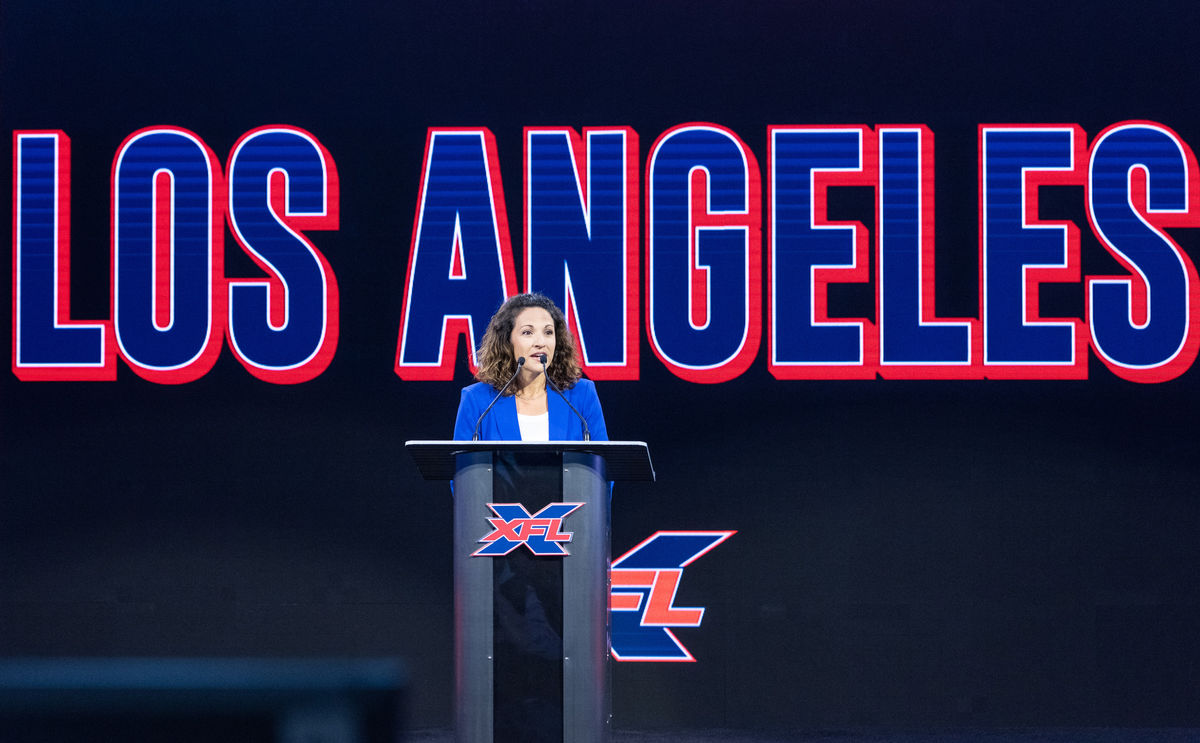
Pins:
x: 531, y: 582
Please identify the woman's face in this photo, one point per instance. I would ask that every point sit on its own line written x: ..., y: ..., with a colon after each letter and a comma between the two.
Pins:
x: 532, y: 335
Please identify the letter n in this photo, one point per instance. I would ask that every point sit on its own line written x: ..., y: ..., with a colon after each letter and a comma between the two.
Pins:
x: 581, y: 239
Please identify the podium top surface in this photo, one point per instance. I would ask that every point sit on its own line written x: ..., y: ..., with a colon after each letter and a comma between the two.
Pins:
x: 625, y: 461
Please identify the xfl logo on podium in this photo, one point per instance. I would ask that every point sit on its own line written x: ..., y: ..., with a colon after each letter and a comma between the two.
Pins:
x: 514, y: 526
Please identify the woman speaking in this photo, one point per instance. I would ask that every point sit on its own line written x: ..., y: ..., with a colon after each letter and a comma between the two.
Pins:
x: 530, y: 386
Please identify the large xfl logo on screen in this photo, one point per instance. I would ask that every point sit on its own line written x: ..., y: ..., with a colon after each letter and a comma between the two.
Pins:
x: 645, y: 581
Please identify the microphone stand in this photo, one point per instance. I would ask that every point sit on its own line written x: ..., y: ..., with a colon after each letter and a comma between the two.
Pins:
x: 478, y: 423
x: 587, y: 436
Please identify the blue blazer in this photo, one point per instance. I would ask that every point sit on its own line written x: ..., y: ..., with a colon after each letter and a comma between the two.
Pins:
x: 501, y: 421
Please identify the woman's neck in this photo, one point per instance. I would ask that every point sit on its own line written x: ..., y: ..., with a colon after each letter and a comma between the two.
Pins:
x: 531, y: 388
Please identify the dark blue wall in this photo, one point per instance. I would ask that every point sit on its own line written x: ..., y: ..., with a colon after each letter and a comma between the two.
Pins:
x: 909, y: 553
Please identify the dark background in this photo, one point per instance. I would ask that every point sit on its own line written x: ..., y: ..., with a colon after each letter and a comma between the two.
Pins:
x: 916, y: 553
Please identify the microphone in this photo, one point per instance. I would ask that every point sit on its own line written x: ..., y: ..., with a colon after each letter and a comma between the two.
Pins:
x: 478, y: 423
x: 587, y: 436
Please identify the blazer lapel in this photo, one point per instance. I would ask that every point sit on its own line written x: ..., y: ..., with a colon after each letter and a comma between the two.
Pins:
x: 506, y: 419
x: 558, y: 416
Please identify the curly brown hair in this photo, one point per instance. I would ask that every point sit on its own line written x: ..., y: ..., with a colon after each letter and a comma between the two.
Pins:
x: 496, y: 361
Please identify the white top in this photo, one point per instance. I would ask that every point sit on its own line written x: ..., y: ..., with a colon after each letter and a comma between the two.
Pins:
x: 534, y: 427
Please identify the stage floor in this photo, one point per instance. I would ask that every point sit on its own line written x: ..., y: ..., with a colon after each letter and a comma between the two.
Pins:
x: 1015, y: 735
